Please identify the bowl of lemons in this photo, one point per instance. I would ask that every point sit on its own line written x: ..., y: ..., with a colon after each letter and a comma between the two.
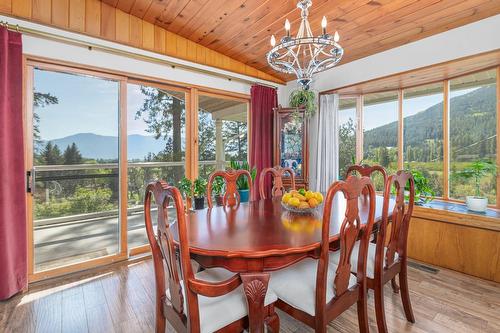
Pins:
x: 301, y: 201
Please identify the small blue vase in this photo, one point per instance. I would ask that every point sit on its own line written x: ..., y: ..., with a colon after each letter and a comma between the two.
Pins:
x: 244, y: 195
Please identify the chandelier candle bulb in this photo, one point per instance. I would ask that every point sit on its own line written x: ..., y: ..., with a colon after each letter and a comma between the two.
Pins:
x: 273, y: 41
x: 287, y: 27
x: 323, y: 25
x: 336, y: 37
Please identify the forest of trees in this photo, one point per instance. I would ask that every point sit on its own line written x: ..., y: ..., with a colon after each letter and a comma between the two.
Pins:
x: 472, y: 137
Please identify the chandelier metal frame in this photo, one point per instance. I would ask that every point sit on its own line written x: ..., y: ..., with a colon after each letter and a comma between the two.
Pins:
x: 305, y: 54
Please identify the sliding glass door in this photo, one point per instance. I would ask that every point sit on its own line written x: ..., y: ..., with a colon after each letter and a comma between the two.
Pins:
x: 75, y: 177
x: 156, y: 147
x: 94, y: 142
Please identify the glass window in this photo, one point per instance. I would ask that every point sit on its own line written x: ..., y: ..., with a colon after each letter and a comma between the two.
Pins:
x: 380, y: 133
x: 155, y: 148
x: 76, y: 174
x: 473, y: 132
x: 423, y: 132
x: 347, y: 134
x: 222, y: 133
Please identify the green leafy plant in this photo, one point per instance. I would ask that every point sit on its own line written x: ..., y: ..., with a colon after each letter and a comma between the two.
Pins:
x: 304, y: 98
x: 242, y: 181
x: 199, y: 186
x: 186, y: 187
x: 218, y: 186
x: 423, y: 190
x: 477, y: 170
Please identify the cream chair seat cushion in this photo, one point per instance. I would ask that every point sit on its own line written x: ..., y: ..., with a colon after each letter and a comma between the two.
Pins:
x: 296, y: 285
x: 370, y: 261
x: 218, y: 312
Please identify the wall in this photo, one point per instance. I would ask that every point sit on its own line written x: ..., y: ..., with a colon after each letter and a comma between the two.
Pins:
x: 97, y: 19
x: 478, y: 37
x: 58, y: 50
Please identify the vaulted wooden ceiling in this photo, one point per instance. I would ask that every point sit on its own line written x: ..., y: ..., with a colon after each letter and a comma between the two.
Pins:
x: 241, y: 28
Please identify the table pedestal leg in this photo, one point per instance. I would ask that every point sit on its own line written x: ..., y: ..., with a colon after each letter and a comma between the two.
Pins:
x: 255, y: 287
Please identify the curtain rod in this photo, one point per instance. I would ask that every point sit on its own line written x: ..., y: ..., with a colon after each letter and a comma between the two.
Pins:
x: 112, y: 50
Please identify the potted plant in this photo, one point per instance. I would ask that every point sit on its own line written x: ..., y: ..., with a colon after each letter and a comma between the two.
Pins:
x: 423, y: 190
x: 304, y: 99
x: 199, y: 188
x: 186, y: 188
x: 476, y: 171
x: 242, y: 181
x: 218, y: 190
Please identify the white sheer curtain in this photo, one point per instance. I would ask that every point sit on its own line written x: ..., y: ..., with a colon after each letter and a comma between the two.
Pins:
x: 324, y: 160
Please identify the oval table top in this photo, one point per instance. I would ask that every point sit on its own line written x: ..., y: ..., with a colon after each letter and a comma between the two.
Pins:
x: 264, y: 228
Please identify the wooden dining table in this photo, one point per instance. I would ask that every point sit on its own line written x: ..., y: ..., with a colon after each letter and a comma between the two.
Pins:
x: 255, y: 238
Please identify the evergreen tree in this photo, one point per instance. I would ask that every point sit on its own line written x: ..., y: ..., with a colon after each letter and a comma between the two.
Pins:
x: 51, y: 154
x: 72, y: 155
x: 384, y: 157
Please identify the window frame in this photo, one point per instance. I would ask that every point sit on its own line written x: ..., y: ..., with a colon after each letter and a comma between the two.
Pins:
x: 446, y: 128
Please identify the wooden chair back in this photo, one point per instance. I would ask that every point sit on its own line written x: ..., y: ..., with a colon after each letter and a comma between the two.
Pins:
x: 351, y: 230
x: 366, y: 171
x: 231, y: 196
x: 399, y: 219
x: 277, y: 173
x: 182, y: 313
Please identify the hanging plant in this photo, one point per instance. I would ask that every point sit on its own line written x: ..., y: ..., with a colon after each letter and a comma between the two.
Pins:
x: 304, y: 99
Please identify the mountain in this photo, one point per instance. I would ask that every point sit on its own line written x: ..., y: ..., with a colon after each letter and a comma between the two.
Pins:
x: 106, y: 147
x: 472, y: 119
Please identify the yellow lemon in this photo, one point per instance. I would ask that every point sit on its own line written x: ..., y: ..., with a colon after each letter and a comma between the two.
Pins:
x: 304, y: 205
x: 295, y: 202
x: 309, y: 195
x: 301, y: 197
x: 319, y: 197
x: 286, y: 197
x: 313, y: 202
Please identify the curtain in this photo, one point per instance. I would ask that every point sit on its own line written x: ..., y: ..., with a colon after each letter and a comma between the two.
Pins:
x: 13, y: 243
x: 263, y: 100
x: 324, y: 159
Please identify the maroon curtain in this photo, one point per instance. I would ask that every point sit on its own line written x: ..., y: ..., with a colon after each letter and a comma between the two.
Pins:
x: 263, y: 100
x: 13, y: 243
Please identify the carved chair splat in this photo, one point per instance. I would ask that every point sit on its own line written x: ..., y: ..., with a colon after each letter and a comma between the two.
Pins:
x: 231, y: 196
x: 185, y: 302
x: 332, y: 295
x: 277, y: 173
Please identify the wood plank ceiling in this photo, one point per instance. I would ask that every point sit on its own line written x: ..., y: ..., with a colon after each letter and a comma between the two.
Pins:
x: 241, y: 28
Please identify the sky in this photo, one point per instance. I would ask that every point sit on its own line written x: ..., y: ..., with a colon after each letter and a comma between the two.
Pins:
x: 94, y: 109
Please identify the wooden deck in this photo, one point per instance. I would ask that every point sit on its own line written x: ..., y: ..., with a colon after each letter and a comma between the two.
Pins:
x: 120, y: 298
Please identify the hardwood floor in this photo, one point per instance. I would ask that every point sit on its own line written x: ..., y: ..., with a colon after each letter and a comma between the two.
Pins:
x: 120, y: 298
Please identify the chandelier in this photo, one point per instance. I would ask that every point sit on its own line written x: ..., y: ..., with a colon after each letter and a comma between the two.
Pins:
x: 305, y: 54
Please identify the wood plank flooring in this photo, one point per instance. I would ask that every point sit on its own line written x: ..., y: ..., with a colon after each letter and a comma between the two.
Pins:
x: 120, y: 298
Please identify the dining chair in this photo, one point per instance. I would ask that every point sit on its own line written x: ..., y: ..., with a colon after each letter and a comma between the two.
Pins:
x: 208, y: 301
x: 277, y: 173
x: 316, y: 291
x: 367, y: 171
x: 388, y: 257
x: 231, y: 195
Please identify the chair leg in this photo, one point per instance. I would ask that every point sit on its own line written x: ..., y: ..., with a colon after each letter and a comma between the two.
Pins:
x: 363, y: 314
x: 405, y: 293
x: 379, y: 307
x: 394, y: 284
x: 273, y: 320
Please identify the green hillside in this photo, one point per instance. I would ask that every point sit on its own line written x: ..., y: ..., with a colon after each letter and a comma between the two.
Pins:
x: 472, y: 129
